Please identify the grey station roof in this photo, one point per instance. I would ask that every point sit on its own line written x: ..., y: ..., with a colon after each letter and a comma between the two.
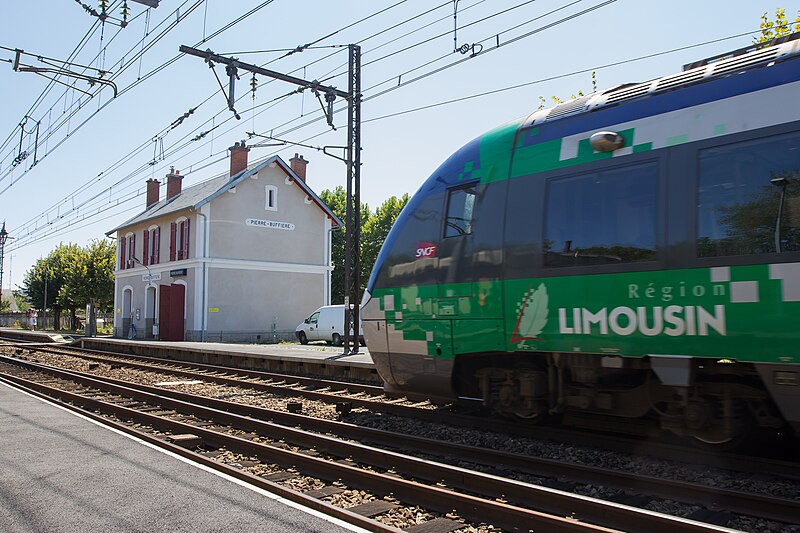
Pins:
x: 197, y: 196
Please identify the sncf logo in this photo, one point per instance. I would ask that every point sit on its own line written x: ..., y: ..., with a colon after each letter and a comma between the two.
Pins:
x: 426, y: 249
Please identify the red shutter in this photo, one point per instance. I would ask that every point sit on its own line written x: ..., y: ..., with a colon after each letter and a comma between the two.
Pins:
x: 123, y: 256
x: 146, y: 247
x: 156, y: 245
x: 185, y: 240
x: 173, y: 230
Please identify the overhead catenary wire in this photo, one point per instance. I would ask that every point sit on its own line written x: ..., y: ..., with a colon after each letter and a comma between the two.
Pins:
x: 74, y: 110
x: 498, y: 90
x: 228, y: 26
x: 144, y: 49
x: 302, y: 125
x: 77, y: 50
x: 92, y: 181
x: 180, y: 17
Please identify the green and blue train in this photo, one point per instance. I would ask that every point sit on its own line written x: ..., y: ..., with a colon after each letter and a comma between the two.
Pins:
x: 627, y: 259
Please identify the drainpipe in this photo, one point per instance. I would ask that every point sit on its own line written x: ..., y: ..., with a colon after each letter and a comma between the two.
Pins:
x: 204, y: 316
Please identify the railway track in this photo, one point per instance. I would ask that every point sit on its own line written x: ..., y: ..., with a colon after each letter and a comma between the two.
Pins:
x: 278, y: 425
x: 348, y: 395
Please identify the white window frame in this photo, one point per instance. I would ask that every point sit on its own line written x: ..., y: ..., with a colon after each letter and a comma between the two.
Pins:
x: 274, y: 204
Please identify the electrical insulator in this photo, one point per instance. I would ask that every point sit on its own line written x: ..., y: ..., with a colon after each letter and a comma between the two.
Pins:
x: 253, y: 85
x: 125, y: 11
x: 103, y: 4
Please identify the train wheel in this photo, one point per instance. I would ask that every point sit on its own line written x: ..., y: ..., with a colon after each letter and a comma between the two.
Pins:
x: 531, y: 417
x: 718, y: 438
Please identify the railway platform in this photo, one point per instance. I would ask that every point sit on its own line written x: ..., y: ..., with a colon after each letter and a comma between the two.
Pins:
x: 64, y: 472
x: 315, y: 359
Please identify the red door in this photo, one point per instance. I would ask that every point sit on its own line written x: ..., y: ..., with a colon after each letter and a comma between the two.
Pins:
x: 170, y: 312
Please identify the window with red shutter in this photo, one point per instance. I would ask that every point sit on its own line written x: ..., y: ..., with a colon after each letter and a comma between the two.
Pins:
x: 146, y: 247
x: 156, y: 245
x: 173, y: 230
x: 123, y: 254
x: 131, y: 250
x: 185, y: 239
x: 179, y: 239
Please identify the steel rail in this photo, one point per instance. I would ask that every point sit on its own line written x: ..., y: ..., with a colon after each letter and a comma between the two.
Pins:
x: 285, y: 390
x: 430, y: 497
x: 461, y: 416
x: 70, y: 401
x: 102, y: 356
x: 584, y: 508
x: 733, y: 462
x: 774, y: 508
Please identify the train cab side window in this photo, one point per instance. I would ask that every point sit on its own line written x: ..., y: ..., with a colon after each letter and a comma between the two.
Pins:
x: 460, y: 207
x: 604, y: 217
x: 743, y: 189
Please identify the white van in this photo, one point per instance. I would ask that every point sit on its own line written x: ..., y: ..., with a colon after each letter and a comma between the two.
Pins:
x: 324, y: 324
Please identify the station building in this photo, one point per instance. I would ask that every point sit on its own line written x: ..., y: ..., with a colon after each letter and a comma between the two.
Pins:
x: 242, y: 257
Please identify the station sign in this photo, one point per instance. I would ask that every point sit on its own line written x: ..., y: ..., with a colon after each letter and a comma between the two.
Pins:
x: 269, y: 224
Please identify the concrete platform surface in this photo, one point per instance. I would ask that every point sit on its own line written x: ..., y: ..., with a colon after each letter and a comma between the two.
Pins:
x: 313, y: 353
x: 62, y: 472
x: 310, y: 352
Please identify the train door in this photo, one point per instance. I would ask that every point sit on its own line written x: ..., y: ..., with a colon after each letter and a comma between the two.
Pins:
x: 470, y: 267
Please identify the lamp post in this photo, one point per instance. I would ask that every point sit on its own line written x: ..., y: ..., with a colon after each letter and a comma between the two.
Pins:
x: 3, y: 239
x: 149, y: 274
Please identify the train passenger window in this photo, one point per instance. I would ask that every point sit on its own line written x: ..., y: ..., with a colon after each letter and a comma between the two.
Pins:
x: 605, y: 217
x: 742, y: 189
x: 460, y: 205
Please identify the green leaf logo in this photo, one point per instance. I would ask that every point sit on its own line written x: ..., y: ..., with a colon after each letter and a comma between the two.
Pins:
x: 532, y: 315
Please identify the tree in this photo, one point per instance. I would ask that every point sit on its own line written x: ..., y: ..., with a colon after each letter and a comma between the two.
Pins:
x: 778, y: 28
x: 336, y: 201
x: 557, y: 100
x: 375, y: 231
x: 73, y: 276
x: 92, y: 278
x: 43, y: 282
x: 22, y: 303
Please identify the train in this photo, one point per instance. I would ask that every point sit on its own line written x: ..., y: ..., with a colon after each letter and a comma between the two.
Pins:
x: 627, y: 260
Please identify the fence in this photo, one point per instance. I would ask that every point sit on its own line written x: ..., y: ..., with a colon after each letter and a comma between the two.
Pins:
x: 21, y: 320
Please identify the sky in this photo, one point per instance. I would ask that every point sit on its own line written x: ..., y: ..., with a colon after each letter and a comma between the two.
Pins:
x: 422, y: 99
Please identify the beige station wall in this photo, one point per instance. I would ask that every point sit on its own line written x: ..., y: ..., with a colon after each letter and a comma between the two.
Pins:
x: 250, y: 301
x: 232, y: 237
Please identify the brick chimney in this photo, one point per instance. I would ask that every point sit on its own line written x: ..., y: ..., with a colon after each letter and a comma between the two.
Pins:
x: 298, y: 165
x: 152, y: 192
x: 238, y: 157
x: 174, y: 180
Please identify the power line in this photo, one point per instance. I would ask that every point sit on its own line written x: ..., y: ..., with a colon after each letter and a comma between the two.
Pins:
x: 476, y: 95
x: 453, y: 64
x: 90, y: 182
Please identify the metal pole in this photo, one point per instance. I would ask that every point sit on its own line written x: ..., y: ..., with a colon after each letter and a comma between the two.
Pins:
x: 3, y: 238
x: 353, y: 213
x: 44, y: 309
x: 355, y: 91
